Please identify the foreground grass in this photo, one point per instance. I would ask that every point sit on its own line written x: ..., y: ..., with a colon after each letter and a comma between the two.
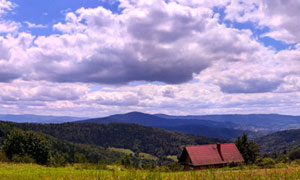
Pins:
x: 34, y: 172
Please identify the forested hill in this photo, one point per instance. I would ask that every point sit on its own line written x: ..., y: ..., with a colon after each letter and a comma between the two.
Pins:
x: 65, y: 149
x: 262, y: 122
x: 138, y: 138
x: 202, y: 127
x: 31, y: 118
x: 279, y: 141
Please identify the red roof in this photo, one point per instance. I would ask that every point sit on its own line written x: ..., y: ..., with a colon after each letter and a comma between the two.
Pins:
x: 209, y: 154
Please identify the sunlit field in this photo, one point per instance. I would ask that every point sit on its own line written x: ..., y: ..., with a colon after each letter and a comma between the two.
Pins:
x: 84, y: 172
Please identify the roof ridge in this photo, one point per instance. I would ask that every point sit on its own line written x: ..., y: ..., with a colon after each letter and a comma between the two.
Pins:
x: 207, y: 144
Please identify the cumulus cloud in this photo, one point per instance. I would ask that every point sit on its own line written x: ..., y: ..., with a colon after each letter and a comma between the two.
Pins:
x: 204, y: 65
x: 41, y: 91
x: 6, y: 6
x: 148, y: 41
x: 250, y: 86
x: 7, y: 26
x: 280, y: 16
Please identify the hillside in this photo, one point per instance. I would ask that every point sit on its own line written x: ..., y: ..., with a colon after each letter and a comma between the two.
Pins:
x: 279, y: 141
x: 258, y: 122
x: 200, y: 127
x: 30, y: 118
x: 92, y: 153
x: 154, y: 121
x: 207, y: 131
x: 137, y: 138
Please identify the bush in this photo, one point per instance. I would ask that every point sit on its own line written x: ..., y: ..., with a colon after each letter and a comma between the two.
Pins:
x: 296, y: 162
x: 283, y: 159
x: 232, y: 164
x: 22, y: 159
x: 265, y: 162
x: 58, y: 160
x: 294, y: 154
x: 79, y: 158
x: 174, y: 166
x: 27, y: 144
x: 127, y: 162
x: 3, y: 157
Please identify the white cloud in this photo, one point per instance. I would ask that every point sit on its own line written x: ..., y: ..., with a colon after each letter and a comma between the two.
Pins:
x: 6, y: 6
x: 205, y: 66
x: 280, y: 16
x: 7, y: 26
x: 156, y: 41
x: 32, y: 25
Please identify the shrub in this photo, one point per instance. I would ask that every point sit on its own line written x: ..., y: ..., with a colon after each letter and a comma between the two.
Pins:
x: 79, y: 158
x: 127, y: 162
x: 232, y: 164
x: 296, y: 162
x: 294, y: 154
x: 27, y: 144
x: 3, y: 157
x: 58, y: 160
x: 265, y: 162
x: 22, y: 159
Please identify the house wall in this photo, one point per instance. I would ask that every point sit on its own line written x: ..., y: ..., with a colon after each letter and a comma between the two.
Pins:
x: 190, y: 167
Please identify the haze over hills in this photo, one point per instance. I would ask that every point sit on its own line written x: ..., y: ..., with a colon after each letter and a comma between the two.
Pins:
x: 31, y: 118
x: 222, y: 126
x: 258, y: 122
x: 226, y: 130
x: 152, y: 120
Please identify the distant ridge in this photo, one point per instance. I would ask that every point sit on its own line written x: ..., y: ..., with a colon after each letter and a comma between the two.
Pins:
x: 31, y: 118
x: 227, y: 126
x: 201, y: 127
x: 266, y: 123
x: 152, y: 120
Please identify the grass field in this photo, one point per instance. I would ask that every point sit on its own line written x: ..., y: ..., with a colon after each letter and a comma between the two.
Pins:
x: 34, y: 172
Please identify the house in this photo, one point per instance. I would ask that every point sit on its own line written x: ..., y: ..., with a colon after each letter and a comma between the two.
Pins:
x: 209, y: 156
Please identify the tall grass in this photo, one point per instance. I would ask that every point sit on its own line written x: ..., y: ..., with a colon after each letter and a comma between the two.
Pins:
x: 36, y: 172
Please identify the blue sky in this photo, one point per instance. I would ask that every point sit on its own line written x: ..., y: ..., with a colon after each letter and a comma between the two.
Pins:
x: 51, y: 12
x: 95, y: 58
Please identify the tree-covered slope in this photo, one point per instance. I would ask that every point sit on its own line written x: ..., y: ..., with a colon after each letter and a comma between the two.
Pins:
x: 92, y: 153
x: 138, y: 138
x: 202, y: 127
x: 207, y: 131
x: 259, y: 122
x: 279, y: 141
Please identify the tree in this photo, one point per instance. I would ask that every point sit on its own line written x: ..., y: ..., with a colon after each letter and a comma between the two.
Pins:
x: 27, y: 144
x: 127, y: 162
x: 294, y: 154
x: 248, y: 149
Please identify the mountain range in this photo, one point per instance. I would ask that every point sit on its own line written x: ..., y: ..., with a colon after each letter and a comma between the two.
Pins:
x: 142, y: 132
x: 31, y: 118
x: 220, y: 126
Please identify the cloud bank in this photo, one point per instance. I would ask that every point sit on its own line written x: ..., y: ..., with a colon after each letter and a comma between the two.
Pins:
x: 174, y: 57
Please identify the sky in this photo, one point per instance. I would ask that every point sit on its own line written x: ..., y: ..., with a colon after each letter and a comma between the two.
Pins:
x: 93, y: 58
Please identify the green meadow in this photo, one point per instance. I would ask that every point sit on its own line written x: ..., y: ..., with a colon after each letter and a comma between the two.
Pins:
x: 9, y: 171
